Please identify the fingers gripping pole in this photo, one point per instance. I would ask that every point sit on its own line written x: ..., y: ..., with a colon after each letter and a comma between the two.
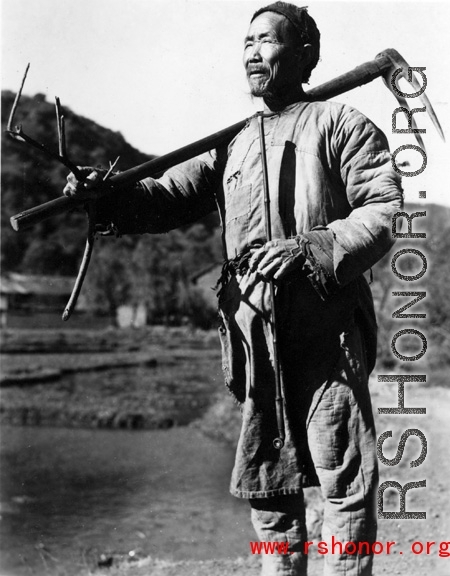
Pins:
x: 91, y: 211
x: 278, y: 442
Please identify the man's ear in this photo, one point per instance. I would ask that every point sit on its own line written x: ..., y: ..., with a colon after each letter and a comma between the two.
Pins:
x: 306, y: 54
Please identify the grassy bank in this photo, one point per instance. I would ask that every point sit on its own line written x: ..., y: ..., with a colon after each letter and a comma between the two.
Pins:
x: 149, y: 378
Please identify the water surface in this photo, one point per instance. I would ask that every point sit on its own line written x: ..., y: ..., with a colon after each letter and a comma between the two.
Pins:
x: 69, y: 495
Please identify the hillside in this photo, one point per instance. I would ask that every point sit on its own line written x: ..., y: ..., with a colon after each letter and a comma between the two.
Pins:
x: 436, y: 325
x: 153, y: 269
x: 30, y: 178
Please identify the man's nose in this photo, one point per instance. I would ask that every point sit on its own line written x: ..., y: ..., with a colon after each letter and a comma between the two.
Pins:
x: 254, y: 54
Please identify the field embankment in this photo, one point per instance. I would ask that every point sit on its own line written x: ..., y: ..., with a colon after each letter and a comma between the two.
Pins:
x: 147, y: 379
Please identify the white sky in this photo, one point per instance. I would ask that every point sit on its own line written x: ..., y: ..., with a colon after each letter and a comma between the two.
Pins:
x: 167, y: 72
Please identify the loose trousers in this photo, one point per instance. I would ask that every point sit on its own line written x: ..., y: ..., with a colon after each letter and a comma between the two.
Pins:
x: 341, y: 440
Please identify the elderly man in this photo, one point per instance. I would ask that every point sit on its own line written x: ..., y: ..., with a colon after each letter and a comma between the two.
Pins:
x: 332, y: 196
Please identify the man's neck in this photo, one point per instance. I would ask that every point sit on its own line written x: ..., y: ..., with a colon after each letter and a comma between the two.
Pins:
x: 277, y: 103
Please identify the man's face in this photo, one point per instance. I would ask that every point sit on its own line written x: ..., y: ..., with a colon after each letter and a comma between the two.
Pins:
x: 271, y: 59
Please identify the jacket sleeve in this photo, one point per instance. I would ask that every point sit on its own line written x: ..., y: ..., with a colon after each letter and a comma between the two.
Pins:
x: 343, y: 249
x: 182, y: 195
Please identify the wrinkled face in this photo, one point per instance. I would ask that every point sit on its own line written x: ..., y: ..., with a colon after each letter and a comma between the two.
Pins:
x: 271, y: 58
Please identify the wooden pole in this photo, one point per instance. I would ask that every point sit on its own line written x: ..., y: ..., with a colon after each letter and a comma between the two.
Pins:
x: 357, y: 77
x: 278, y: 442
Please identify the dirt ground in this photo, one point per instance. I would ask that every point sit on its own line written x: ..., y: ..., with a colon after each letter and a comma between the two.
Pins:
x: 408, y: 535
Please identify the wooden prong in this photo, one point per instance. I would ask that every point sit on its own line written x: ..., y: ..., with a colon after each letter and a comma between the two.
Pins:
x: 58, y: 125
x: 18, y: 134
x: 63, y: 151
x: 16, y: 101
x: 80, y: 278
x: 91, y: 210
x: 111, y: 168
x: 60, y: 122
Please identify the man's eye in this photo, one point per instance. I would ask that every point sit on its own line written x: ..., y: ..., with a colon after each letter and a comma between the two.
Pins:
x: 251, y: 43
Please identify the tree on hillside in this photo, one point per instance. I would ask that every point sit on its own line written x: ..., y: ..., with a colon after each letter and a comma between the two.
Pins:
x: 154, y: 270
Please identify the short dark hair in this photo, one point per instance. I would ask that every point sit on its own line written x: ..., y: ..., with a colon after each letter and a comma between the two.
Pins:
x: 304, y: 25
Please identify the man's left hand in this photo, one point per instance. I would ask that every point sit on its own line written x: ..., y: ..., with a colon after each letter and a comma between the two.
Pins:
x: 277, y: 258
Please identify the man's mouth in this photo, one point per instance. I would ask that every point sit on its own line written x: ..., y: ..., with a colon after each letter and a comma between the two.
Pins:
x: 256, y: 72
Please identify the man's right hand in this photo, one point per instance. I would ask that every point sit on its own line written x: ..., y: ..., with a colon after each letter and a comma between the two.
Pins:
x: 86, y: 189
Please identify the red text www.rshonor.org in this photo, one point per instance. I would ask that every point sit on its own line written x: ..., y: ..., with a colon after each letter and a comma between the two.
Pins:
x: 442, y: 549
